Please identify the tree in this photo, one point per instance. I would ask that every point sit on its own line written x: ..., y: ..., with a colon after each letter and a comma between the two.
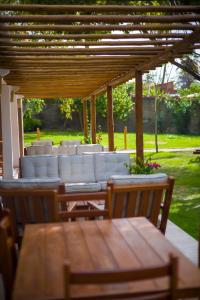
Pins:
x: 31, y: 107
x: 122, y: 103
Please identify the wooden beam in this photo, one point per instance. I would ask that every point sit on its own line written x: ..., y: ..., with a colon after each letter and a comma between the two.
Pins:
x: 91, y: 36
x: 93, y: 118
x: 99, y: 18
x: 84, y: 50
x: 21, y: 127
x: 110, y: 119
x: 139, y: 115
x: 85, y: 120
x: 8, y: 42
x: 99, y: 8
x: 81, y: 28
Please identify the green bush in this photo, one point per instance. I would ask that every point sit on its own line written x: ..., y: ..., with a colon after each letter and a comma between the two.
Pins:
x: 32, y: 124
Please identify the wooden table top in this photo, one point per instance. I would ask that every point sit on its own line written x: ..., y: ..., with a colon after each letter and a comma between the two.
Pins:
x: 100, y: 245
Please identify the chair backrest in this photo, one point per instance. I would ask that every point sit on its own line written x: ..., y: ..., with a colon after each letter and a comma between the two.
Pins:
x: 39, y: 150
x: 142, y: 200
x: 73, y: 206
x: 42, y: 143
x: 8, y: 257
x: 30, y: 206
x: 169, y: 269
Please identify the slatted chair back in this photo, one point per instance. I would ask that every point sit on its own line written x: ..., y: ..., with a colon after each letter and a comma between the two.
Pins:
x: 73, y: 206
x: 142, y: 200
x: 30, y: 206
x: 8, y: 257
x: 169, y: 270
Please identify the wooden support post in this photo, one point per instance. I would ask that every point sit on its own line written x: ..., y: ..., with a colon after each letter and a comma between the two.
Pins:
x: 110, y: 122
x: 125, y: 137
x: 21, y: 127
x: 139, y: 115
x: 85, y: 120
x: 93, y: 118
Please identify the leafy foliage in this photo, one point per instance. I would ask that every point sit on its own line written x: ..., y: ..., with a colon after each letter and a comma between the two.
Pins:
x: 31, y: 108
x: 122, y: 103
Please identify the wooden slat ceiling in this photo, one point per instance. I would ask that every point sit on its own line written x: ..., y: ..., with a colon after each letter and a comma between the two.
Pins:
x: 78, y: 50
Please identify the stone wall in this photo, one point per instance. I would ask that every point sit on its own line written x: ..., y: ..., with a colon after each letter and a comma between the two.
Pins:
x: 52, y: 119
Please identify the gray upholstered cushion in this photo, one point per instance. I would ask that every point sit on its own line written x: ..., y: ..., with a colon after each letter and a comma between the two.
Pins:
x: 89, y: 148
x: 138, y: 178
x: 67, y: 149
x: 70, y: 142
x: 82, y: 187
x: 108, y: 164
x: 42, y: 143
x: 103, y: 185
x: 30, y: 183
x: 39, y: 150
x: 39, y: 166
x: 76, y: 168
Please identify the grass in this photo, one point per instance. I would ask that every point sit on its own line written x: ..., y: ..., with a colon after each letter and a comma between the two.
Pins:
x: 185, y: 209
x: 164, y: 140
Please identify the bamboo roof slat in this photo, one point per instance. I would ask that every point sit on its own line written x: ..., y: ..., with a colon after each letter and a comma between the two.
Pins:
x: 99, y: 8
x: 99, y: 18
x: 81, y: 28
x: 76, y: 47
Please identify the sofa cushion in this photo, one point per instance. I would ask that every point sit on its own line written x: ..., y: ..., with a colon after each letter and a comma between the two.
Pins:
x: 82, y: 187
x: 76, y: 168
x: 42, y: 143
x: 108, y: 164
x: 67, y: 149
x: 70, y: 142
x: 139, y: 178
x: 39, y: 150
x: 39, y: 166
x: 89, y: 148
x: 23, y: 183
x: 103, y: 185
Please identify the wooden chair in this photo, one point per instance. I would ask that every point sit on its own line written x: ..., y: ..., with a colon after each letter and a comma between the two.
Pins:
x: 147, y: 200
x: 116, y: 277
x: 29, y: 206
x: 73, y: 206
x: 8, y: 256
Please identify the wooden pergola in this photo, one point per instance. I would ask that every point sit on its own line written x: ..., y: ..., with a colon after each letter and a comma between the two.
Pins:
x: 81, y: 51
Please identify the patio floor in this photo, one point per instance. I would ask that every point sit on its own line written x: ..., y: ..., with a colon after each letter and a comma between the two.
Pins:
x: 183, y: 241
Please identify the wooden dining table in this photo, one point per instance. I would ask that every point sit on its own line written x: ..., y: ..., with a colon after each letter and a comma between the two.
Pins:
x: 115, y: 244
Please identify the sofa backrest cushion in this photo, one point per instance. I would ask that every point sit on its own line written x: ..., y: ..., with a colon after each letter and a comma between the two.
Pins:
x: 70, y: 142
x: 67, y: 149
x: 76, y: 168
x: 39, y: 166
x: 42, y: 143
x: 89, y: 148
x: 108, y: 164
x: 139, y: 178
x: 39, y: 150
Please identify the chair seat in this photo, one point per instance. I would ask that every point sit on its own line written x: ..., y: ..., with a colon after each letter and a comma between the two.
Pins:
x: 82, y: 187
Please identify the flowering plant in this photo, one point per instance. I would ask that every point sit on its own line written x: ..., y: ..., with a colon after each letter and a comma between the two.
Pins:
x: 142, y: 167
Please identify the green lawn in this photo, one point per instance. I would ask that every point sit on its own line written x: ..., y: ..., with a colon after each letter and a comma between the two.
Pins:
x: 164, y: 140
x: 185, y: 209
